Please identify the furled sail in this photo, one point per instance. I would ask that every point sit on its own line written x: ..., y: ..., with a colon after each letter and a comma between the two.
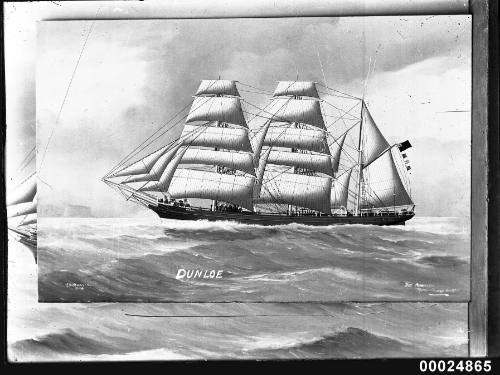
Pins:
x: 217, y: 87
x: 304, y: 139
x: 336, y: 151
x: 385, y: 186
x: 149, y: 163
x: 190, y: 183
x: 374, y: 141
x: 24, y: 193
x: 215, y: 108
x: 234, y: 160
x: 315, y: 162
x: 305, y: 111
x: 295, y: 189
x: 340, y: 190
x: 225, y: 138
x: 296, y: 88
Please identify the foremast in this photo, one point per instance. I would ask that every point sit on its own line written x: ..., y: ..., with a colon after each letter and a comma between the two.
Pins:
x: 214, y: 136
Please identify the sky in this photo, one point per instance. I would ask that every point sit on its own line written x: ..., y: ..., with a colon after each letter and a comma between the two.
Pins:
x: 96, y: 104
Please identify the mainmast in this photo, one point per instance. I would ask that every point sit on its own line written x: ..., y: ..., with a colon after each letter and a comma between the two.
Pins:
x: 295, y: 137
x: 360, y: 161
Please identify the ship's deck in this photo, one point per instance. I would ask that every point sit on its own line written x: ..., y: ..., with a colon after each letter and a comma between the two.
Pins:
x: 170, y: 211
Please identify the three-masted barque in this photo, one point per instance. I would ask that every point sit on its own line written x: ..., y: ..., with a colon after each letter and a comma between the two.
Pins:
x: 288, y: 161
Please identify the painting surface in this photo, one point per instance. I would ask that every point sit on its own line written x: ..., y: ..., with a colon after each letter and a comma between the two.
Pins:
x: 138, y: 331
x: 133, y: 76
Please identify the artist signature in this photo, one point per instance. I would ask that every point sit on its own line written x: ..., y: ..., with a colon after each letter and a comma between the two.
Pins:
x: 75, y: 286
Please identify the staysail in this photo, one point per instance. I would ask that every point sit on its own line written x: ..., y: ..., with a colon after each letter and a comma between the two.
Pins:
x: 337, y: 148
x: 374, y: 142
x: 22, y: 213
x: 154, y: 163
x: 385, y: 187
x: 22, y: 209
x: 24, y: 193
x: 340, y: 190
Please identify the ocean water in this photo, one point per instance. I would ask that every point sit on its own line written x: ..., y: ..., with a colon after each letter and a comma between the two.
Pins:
x: 165, y: 331
x: 137, y: 260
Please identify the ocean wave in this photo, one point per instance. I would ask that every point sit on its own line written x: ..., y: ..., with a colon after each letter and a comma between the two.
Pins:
x: 287, y: 262
x: 304, y: 274
x: 350, y: 343
x: 66, y: 341
x: 439, y: 225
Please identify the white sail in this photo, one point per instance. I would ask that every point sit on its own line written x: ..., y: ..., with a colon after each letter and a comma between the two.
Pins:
x: 295, y: 189
x: 24, y: 193
x: 215, y: 108
x: 21, y: 209
x: 217, y: 87
x: 141, y: 178
x: 336, y: 148
x: 189, y: 183
x: 296, y: 88
x: 28, y: 220
x: 146, y: 164
x: 163, y: 182
x: 261, y: 168
x: 385, y: 188
x: 307, y: 111
x: 225, y: 138
x: 304, y: 139
x: 374, y: 141
x: 234, y: 160
x: 340, y: 190
x: 315, y: 162
x: 156, y: 170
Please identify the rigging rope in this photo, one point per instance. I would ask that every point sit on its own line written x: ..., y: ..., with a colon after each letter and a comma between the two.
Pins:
x: 256, y: 88
x: 340, y: 92
x: 145, y: 143
x: 67, y: 90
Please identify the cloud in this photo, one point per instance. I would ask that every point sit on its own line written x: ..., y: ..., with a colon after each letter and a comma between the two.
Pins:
x: 135, y: 75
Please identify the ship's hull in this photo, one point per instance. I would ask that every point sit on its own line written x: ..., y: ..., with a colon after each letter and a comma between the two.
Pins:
x: 181, y: 213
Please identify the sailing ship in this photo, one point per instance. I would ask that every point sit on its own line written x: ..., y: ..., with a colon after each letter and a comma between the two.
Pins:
x: 22, y: 213
x: 288, y: 161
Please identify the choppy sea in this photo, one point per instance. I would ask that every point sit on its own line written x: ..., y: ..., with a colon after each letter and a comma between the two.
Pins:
x: 116, y: 257
x: 137, y: 260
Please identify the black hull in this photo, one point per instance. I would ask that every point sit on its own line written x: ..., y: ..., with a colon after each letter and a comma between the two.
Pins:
x: 181, y: 213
